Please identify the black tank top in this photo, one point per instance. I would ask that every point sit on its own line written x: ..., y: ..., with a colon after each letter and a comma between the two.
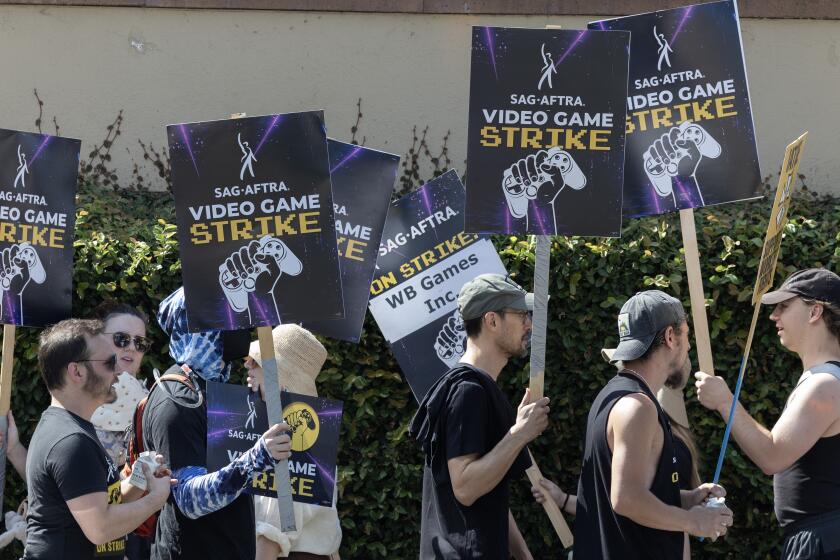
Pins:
x: 810, y: 486
x: 600, y: 533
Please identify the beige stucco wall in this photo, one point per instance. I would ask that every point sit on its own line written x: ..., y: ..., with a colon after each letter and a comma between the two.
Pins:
x: 163, y: 66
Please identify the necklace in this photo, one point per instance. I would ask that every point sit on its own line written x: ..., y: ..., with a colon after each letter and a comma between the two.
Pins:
x: 639, y: 377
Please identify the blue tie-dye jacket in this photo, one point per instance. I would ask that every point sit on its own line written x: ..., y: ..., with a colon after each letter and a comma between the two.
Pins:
x: 199, y: 492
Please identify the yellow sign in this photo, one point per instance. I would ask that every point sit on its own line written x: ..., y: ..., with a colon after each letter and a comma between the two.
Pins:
x: 778, y: 218
x: 303, y: 421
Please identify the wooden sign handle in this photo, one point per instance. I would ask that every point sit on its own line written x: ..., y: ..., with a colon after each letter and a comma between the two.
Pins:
x: 550, y: 506
x: 5, y: 397
x: 695, y: 290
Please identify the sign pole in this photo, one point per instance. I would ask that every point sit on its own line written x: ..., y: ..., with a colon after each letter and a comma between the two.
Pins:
x: 5, y: 398
x: 550, y: 506
x: 539, y: 325
x: 695, y: 290
x: 274, y: 407
x: 536, y: 382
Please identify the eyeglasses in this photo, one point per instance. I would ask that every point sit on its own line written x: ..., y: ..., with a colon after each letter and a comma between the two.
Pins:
x: 110, y: 363
x: 527, y: 316
x: 122, y: 340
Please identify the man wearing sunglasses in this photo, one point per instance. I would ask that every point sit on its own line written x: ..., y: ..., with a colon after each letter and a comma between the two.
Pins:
x: 473, y: 440
x: 75, y: 494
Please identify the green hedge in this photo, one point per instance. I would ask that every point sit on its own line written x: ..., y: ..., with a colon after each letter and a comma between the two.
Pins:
x: 126, y: 249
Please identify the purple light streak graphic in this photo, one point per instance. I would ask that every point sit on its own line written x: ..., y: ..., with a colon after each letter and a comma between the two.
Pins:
x: 686, y: 14
x: 186, y: 137
x: 40, y: 149
x: 330, y: 412
x: 424, y: 192
x: 356, y: 151
x: 229, y: 313
x: 324, y: 471
x: 602, y: 26
x: 274, y: 123
x: 223, y: 412
x: 540, y: 220
x: 492, y: 50
x: 574, y: 44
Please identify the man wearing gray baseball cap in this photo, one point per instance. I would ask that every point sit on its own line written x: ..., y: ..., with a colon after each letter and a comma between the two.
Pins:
x: 473, y: 441
x: 802, y: 451
x: 629, y: 504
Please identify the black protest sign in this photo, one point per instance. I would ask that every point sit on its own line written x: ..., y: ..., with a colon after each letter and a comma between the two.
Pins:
x: 690, y: 134
x: 255, y: 221
x: 546, y: 131
x: 37, y: 217
x: 237, y: 417
x: 424, y: 259
x: 362, y: 182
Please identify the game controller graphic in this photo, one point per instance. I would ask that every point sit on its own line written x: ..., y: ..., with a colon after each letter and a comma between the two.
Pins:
x: 451, y: 340
x: 19, y: 264
x: 523, y: 180
x: 239, y: 274
x: 678, y: 153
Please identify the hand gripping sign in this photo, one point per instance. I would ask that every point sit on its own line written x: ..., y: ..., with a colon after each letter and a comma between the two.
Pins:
x: 257, y: 266
x: 542, y: 175
x: 678, y: 153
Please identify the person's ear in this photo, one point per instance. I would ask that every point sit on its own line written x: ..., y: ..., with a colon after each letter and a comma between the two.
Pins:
x: 74, y: 372
x: 815, y: 312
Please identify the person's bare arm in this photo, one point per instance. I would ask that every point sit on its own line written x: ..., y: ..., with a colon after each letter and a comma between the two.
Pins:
x: 15, y: 452
x: 813, y: 409
x: 516, y: 542
x: 102, y: 522
x: 634, y: 423
x: 473, y: 476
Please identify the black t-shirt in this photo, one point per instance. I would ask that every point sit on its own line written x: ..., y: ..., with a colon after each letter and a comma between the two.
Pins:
x: 179, y: 434
x: 601, y: 533
x: 66, y: 461
x: 471, y: 416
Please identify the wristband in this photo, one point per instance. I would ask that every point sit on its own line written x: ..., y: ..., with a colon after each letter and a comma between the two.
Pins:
x: 566, y: 501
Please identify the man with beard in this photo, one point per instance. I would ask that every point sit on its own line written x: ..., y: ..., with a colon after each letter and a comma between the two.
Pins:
x: 75, y: 494
x: 629, y: 503
x: 802, y: 451
x: 473, y: 441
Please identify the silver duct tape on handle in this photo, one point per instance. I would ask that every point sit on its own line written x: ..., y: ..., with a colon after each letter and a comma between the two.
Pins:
x: 274, y: 405
x: 540, y: 322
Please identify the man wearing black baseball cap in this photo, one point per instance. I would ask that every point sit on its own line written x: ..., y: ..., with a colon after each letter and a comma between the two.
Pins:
x: 802, y: 451
x: 473, y: 440
x: 629, y: 503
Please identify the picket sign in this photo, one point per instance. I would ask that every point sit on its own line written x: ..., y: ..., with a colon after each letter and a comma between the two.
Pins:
x: 8, y: 363
x: 695, y: 289
x: 274, y: 406
x: 766, y: 268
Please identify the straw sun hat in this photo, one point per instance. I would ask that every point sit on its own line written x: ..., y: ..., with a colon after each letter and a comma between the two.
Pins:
x: 299, y: 356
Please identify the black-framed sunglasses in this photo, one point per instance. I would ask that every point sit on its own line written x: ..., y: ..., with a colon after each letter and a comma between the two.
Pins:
x: 110, y: 363
x: 122, y: 340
